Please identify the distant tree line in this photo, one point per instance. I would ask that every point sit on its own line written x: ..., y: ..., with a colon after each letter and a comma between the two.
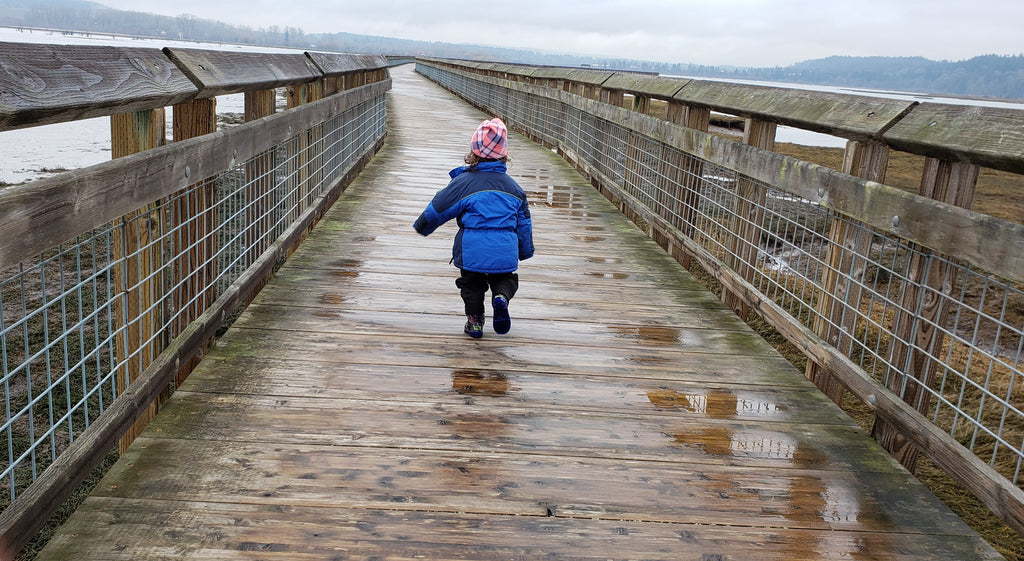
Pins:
x: 984, y: 76
x: 987, y: 75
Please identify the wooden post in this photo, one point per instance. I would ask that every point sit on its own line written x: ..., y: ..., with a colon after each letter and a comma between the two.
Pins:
x: 140, y: 321
x: 616, y: 97
x: 674, y: 112
x: 333, y: 85
x: 195, y: 268
x: 315, y: 138
x: 691, y: 172
x: 921, y: 310
x: 259, y: 104
x: 847, y: 262
x: 641, y: 103
x: 748, y: 217
x: 298, y: 153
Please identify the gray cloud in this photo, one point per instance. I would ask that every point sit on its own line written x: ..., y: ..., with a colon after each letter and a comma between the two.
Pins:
x: 733, y: 32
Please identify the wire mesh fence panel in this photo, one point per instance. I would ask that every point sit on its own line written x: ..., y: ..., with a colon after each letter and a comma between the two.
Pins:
x: 77, y: 319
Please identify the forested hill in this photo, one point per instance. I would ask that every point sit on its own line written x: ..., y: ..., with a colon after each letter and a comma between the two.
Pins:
x: 984, y: 76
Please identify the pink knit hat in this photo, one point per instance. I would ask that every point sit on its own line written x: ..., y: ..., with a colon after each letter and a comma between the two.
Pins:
x: 490, y: 141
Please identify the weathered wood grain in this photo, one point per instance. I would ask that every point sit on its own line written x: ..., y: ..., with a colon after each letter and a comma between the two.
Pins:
x: 44, y: 84
x: 23, y: 518
x: 337, y: 64
x: 849, y: 116
x: 653, y: 394
x: 229, y: 531
x: 221, y: 72
x: 514, y: 484
x: 654, y: 86
x: 986, y: 136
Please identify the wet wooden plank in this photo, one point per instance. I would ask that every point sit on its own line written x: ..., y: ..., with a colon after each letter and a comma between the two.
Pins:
x: 518, y: 485
x: 374, y: 324
x: 628, y: 415
x: 507, y: 352
x: 230, y: 531
x: 690, y: 436
x: 532, y: 306
x: 497, y: 388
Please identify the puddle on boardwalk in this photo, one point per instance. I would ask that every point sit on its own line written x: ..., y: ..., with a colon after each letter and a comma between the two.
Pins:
x: 647, y: 335
x: 714, y: 404
x: 731, y: 442
x: 347, y: 264
x: 552, y: 196
x: 616, y: 276
x: 333, y: 299
x: 475, y: 382
x: 586, y: 238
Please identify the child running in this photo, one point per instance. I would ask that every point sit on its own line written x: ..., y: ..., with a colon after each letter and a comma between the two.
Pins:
x: 495, y: 231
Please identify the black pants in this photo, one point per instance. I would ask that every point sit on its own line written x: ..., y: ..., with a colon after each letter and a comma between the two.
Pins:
x: 474, y: 287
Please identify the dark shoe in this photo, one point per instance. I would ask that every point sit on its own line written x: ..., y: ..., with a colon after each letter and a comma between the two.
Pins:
x: 475, y: 326
x: 502, y: 323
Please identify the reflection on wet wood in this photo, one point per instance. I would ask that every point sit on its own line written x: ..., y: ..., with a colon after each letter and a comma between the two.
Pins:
x: 628, y: 415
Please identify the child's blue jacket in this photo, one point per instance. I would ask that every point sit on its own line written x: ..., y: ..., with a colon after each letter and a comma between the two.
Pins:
x: 495, y: 231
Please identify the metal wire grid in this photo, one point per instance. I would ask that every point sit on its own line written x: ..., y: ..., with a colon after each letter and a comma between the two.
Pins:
x: 944, y: 336
x: 80, y: 322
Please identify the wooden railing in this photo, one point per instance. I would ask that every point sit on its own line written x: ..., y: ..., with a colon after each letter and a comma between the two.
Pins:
x: 910, y: 302
x: 115, y: 277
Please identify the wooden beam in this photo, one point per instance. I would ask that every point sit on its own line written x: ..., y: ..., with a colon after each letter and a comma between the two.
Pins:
x: 223, y: 72
x: 45, y: 84
x: 20, y: 521
x: 918, y: 328
x: 258, y: 104
x: 998, y: 494
x: 847, y: 264
x: 136, y: 244
x: 747, y: 226
x: 194, y: 231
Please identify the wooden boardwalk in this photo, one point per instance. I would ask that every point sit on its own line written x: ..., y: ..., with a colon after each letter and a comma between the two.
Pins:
x: 628, y: 415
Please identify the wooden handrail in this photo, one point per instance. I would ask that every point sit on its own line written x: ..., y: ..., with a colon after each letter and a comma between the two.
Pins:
x: 45, y: 84
x: 985, y: 136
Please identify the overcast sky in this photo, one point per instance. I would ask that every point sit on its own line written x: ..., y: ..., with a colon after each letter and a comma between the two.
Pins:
x: 713, y: 32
